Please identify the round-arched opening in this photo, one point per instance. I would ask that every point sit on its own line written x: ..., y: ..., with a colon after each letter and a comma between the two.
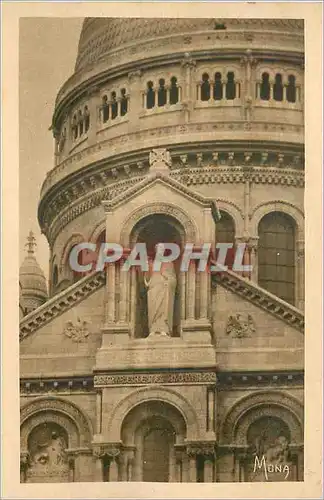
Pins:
x: 48, y: 461
x: 269, y: 457
x: 153, y: 429
x: 276, y: 255
x: 152, y: 230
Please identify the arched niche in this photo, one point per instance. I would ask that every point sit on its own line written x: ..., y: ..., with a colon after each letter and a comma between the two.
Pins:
x: 151, y: 230
x: 48, y: 459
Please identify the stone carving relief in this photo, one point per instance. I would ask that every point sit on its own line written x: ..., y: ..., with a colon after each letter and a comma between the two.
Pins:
x: 77, y: 332
x: 240, y: 326
x: 160, y: 158
x: 48, y: 460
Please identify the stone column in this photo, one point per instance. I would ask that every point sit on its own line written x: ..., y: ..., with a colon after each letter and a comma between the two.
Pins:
x: 98, y: 469
x: 123, y: 298
x: 240, y: 457
x: 192, y: 468
x: 187, y: 98
x: 98, y: 411
x: 180, y: 476
x: 253, y: 247
x: 209, y: 469
x: 300, y: 275
x: 110, y: 306
x: 191, y: 290
x: 24, y: 464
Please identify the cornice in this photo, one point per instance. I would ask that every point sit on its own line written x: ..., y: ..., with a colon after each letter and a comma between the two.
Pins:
x: 221, y: 380
x: 261, y: 298
x: 61, y: 302
x: 69, y: 204
x: 247, y: 136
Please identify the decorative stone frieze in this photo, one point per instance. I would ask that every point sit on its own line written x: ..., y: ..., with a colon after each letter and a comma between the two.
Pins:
x: 200, y: 378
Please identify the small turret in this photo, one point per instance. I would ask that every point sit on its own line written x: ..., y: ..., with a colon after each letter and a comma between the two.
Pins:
x: 32, y: 279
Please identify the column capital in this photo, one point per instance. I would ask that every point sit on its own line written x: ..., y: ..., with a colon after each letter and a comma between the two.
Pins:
x: 300, y: 247
x: 24, y: 459
x: 206, y: 448
x: 134, y: 75
x: 188, y: 61
x: 112, y: 450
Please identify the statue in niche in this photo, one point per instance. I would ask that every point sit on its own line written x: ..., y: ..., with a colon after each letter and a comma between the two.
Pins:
x: 161, y: 287
x: 48, y: 453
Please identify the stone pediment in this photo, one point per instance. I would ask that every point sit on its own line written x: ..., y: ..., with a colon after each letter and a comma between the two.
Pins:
x: 261, y: 298
x: 157, y: 180
x: 61, y: 303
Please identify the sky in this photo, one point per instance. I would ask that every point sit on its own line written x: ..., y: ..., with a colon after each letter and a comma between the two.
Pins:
x: 47, y: 54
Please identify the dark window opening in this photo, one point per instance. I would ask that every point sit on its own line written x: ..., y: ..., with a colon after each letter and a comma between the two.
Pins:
x: 205, y: 88
x: 162, y: 93
x: 174, y: 91
x: 150, y: 96
x: 86, y: 119
x: 291, y: 89
x: 105, y: 109
x: 265, y: 87
x: 218, y: 87
x: 278, y: 88
x: 276, y: 255
x: 230, y: 86
x: 123, y: 103
x: 114, y: 106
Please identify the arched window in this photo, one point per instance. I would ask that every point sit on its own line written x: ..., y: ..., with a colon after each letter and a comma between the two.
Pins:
x: 278, y: 88
x: 205, y: 87
x: 230, y: 86
x: 80, y: 120
x: 150, y: 96
x: 225, y: 233
x: 276, y: 255
x: 162, y: 94
x: 265, y: 87
x: 86, y: 118
x: 55, y: 276
x: 174, y: 91
x: 123, y: 103
x: 291, y: 89
x: 105, y: 109
x: 218, y: 87
x: 114, y: 106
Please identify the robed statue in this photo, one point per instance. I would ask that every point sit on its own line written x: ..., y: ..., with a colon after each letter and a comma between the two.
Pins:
x: 161, y: 286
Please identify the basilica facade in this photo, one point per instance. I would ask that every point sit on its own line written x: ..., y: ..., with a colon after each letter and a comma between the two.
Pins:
x: 164, y: 123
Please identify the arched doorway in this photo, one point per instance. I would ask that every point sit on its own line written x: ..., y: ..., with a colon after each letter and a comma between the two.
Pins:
x: 154, y: 430
x: 151, y: 230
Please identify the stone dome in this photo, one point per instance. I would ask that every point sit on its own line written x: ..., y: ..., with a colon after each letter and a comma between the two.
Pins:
x: 99, y: 36
x: 32, y: 279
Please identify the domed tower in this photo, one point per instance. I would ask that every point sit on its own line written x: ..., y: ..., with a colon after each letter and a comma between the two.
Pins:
x: 32, y: 281
x: 165, y: 125
x: 223, y: 96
